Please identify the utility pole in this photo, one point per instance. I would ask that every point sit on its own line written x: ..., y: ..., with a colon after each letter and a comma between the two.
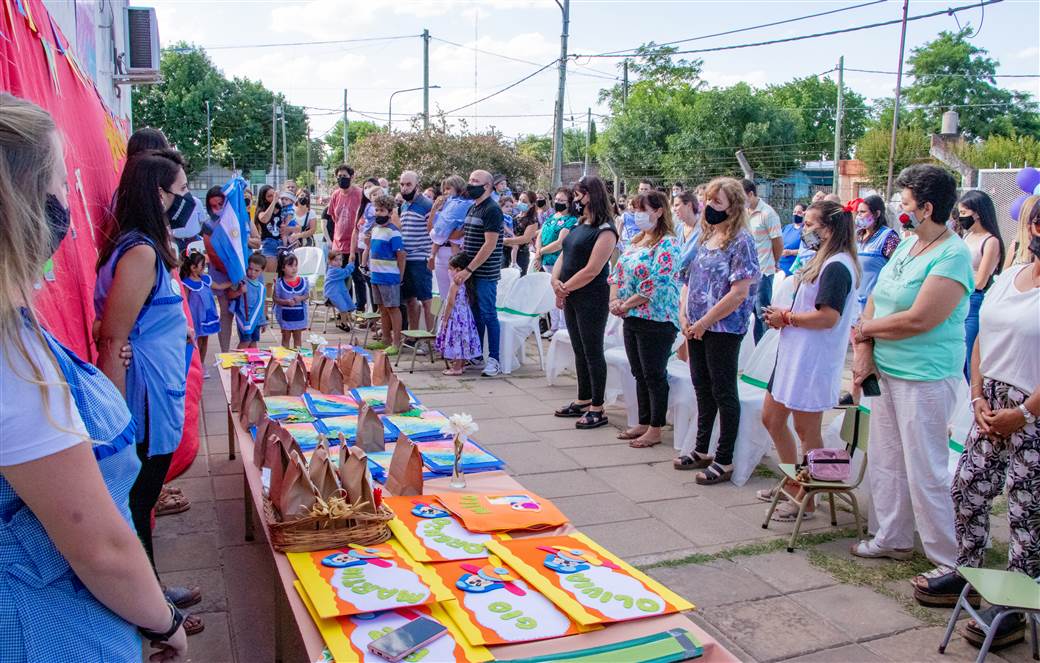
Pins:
x: 426, y: 79
x: 209, y: 139
x: 838, y: 118
x: 274, y: 143
x: 588, y: 139
x: 285, y: 149
x: 557, y: 168
x: 624, y: 85
x: 308, y: 148
x: 895, y: 110
x: 346, y: 129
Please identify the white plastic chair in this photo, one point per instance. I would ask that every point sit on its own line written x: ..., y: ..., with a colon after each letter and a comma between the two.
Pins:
x: 528, y: 299
x: 198, y: 246
x: 560, y: 356
x: 510, y: 275
x: 311, y: 266
x: 620, y: 382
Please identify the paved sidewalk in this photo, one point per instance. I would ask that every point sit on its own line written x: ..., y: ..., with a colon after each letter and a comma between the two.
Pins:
x: 705, y: 542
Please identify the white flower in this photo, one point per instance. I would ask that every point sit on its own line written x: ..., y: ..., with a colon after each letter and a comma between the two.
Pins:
x: 460, y: 425
x: 316, y: 339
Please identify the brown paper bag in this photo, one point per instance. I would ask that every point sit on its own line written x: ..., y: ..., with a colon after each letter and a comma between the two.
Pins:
x: 321, y: 472
x: 331, y: 380
x: 298, y: 493
x: 370, y: 436
x: 345, y: 361
x: 360, y: 373
x: 397, y: 399
x: 252, y: 407
x: 297, y: 376
x: 276, y: 382
x: 239, y: 379
x: 353, y: 464
x: 405, y: 476
x: 243, y: 390
x: 381, y: 370
x: 317, y: 366
x: 260, y: 441
x: 276, y: 460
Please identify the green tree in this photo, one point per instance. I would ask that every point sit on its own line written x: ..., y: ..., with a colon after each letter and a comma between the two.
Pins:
x: 814, y: 102
x: 537, y: 147
x: 950, y: 72
x: 359, y: 129
x: 912, y: 146
x: 652, y: 70
x: 1002, y: 151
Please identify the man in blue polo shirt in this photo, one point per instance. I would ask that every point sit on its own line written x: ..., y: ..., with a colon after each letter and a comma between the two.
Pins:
x: 417, y: 280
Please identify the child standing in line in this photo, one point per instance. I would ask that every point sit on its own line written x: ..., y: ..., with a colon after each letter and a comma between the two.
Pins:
x: 385, y: 258
x: 457, y: 338
x: 203, y: 306
x: 291, y: 294
x: 247, y: 303
x: 336, y: 293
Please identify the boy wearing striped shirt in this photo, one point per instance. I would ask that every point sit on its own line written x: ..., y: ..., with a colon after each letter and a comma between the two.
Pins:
x: 385, y: 258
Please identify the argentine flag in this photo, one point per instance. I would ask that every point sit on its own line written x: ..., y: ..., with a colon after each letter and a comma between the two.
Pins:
x: 231, y: 231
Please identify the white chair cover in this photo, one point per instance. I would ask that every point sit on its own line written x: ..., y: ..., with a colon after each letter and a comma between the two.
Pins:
x: 311, y: 264
x: 510, y: 275
x: 529, y: 298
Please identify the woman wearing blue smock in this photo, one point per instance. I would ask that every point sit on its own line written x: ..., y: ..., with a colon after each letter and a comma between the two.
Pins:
x: 75, y: 583
x: 875, y: 243
x: 138, y: 301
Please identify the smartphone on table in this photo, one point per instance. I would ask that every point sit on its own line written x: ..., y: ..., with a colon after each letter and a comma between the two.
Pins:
x: 407, y: 639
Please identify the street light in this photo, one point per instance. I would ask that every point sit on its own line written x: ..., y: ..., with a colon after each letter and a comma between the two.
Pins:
x: 390, y: 109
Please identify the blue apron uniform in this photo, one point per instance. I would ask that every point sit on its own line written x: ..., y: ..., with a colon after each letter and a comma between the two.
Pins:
x: 294, y: 317
x: 156, y: 379
x: 46, y: 613
x: 871, y: 260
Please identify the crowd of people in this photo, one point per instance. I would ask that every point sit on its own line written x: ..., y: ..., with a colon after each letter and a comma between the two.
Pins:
x: 924, y: 303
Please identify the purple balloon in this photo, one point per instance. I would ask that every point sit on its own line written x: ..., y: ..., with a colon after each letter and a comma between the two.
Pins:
x: 1016, y: 206
x: 1027, y: 179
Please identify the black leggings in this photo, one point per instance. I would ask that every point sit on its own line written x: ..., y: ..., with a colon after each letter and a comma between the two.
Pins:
x: 145, y: 493
x: 360, y: 283
x: 648, y: 344
x: 713, y: 368
x: 586, y: 313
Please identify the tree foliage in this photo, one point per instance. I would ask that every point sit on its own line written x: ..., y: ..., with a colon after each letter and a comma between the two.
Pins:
x: 912, y: 147
x: 359, y: 129
x: 814, y: 101
x: 240, y: 112
x: 1002, y: 152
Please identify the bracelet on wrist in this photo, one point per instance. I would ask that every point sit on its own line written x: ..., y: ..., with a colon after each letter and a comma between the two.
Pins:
x: 977, y: 398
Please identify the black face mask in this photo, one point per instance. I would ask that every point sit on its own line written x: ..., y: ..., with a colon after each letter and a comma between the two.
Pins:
x: 408, y: 196
x: 382, y: 220
x: 1034, y: 246
x: 579, y: 208
x: 559, y: 207
x: 966, y: 221
x: 798, y: 218
x: 343, y: 182
x: 57, y: 220
x: 540, y: 203
x: 713, y: 216
x: 474, y: 191
x: 181, y: 210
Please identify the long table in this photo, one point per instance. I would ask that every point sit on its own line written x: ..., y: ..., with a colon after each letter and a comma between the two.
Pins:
x: 289, y: 608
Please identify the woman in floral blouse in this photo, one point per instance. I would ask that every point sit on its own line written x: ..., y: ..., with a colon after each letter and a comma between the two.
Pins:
x: 721, y: 283
x: 644, y: 291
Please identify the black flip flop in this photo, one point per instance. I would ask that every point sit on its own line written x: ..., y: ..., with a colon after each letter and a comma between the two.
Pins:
x: 591, y: 420
x: 713, y: 475
x: 572, y: 410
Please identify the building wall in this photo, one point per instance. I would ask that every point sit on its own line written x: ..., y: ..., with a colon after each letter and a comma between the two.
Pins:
x: 103, y: 23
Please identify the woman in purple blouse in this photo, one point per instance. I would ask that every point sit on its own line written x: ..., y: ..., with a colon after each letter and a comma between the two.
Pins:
x: 721, y: 282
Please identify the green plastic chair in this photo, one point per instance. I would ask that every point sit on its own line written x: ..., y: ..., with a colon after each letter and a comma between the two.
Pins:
x: 422, y: 336
x: 1009, y: 591
x: 855, y: 429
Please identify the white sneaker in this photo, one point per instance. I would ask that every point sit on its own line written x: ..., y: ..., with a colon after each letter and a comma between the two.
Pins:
x: 548, y: 333
x: 491, y: 368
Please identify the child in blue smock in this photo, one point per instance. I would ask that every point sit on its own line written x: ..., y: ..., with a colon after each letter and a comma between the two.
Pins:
x: 203, y: 307
x: 291, y: 298
x: 336, y: 293
x: 246, y: 302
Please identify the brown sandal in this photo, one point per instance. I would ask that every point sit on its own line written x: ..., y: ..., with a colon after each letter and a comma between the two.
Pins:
x: 625, y: 435
x: 713, y: 475
x: 692, y: 462
x: 170, y: 503
x: 193, y: 625
x: 643, y: 444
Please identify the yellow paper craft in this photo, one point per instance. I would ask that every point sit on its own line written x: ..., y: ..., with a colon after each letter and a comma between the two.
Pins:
x: 586, y: 581
x: 430, y: 534
x: 502, y: 512
x: 347, y: 637
x: 357, y: 579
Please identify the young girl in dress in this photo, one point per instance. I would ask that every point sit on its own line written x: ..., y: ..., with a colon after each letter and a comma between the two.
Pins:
x: 291, y: 293
x: 203, y: 306
x: 457, y: 338
x: 336, y: 293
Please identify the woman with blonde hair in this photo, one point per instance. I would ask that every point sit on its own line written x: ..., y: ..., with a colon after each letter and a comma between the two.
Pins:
x: 806, y: 381
x: 645, y: 293
x: 77, y: 584
x: 721, y: 278
x: 1018, y: 253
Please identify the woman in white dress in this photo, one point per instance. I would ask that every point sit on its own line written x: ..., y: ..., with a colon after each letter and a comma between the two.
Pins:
x: 813, y: 339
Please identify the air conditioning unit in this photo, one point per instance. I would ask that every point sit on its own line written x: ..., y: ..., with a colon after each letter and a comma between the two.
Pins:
x: 141, y: 58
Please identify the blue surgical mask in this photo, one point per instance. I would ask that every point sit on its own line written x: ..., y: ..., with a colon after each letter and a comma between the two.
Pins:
x: 520, y: 208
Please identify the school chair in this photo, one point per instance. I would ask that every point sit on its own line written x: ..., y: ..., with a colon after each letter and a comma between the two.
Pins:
x: 420, y: 336
x: 1009, y: 592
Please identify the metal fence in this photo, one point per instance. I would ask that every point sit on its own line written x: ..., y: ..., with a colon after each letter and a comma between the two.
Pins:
x: 1000, y: 184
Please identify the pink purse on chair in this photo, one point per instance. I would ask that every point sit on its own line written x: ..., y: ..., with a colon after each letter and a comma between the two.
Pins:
x: 829, y: 464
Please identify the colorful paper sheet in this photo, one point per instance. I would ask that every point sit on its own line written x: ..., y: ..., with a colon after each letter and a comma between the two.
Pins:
x: 241, y: 358
x: 358, y: 579
x: 493, y: 606
x: 291, y: 409
x: 347, y: 424
x: 376, y: 397
x: 430, y: 534
x: 586, y: 581
x: 439, y: 455
x: 347, y: 638
x: 675, y: 644
x: 502, y: 512
x: 330, y: 405
x: 417, y: 424
x: 305, y: 434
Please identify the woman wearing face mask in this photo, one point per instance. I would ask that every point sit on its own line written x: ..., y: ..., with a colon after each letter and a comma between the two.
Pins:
x: 875, y: 243
x: 977, y: 218
x: 719, y: 296
x: 549, y: 243
x: 67, y: 458
x: 447, y: 218
x: 791, y: 236
x: 268, y: 222
x: 645, y: 293
x: 688, y: 210
x: 811, y: 356
x: 1018, y: 251
x: 541, y: 202
x: 138, y: 301
x: 525, y: 227
x: 912, y: 338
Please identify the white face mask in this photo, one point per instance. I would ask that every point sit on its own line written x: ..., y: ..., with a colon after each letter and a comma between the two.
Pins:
x: 643, y: 221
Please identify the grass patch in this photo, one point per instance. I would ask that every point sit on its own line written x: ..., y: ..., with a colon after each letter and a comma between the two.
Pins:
x: 757, y: 548
x: 765, y: 472
x: 1000, y: 506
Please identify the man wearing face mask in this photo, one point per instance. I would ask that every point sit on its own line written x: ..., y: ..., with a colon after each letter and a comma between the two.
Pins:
x: 342, y: 209
x: 765, y: 229
x: 417, y: 280
x: 483, y: 241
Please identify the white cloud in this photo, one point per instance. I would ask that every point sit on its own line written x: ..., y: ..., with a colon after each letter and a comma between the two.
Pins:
x: 1030, y: 53
x: 715, y: 78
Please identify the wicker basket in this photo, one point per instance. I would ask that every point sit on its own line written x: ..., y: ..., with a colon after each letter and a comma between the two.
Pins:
x: 317, y: 533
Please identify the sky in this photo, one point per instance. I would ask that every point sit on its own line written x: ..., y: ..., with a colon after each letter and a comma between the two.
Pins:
x: 527, y: 34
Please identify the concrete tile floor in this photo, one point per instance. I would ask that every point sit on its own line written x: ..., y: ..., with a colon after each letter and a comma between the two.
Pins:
x: 766, y: 607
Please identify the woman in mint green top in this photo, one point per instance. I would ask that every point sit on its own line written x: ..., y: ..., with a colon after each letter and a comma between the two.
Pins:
x: 555, y: 229
x: 912, y: 339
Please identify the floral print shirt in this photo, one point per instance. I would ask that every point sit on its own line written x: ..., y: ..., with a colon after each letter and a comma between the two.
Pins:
x: 551, y: 229
x: 711, y: 272
x: 650, y: 271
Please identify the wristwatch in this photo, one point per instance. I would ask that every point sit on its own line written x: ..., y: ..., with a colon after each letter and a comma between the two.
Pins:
x: 156, y: 636
x: 1030, y: 417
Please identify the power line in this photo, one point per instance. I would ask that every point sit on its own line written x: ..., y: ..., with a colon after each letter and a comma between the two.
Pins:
x: 893, y: 73
x: 310, y: 43
x: 508, y: 87
x: 948, y: 11
x: 604, y: 75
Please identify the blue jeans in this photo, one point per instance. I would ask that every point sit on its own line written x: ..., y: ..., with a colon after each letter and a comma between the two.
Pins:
x: 485, y: 313
x: 765, y: 298
x: 971, y: 328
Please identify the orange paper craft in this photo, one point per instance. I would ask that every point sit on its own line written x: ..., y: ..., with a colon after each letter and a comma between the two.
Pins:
x: 502, y: 512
